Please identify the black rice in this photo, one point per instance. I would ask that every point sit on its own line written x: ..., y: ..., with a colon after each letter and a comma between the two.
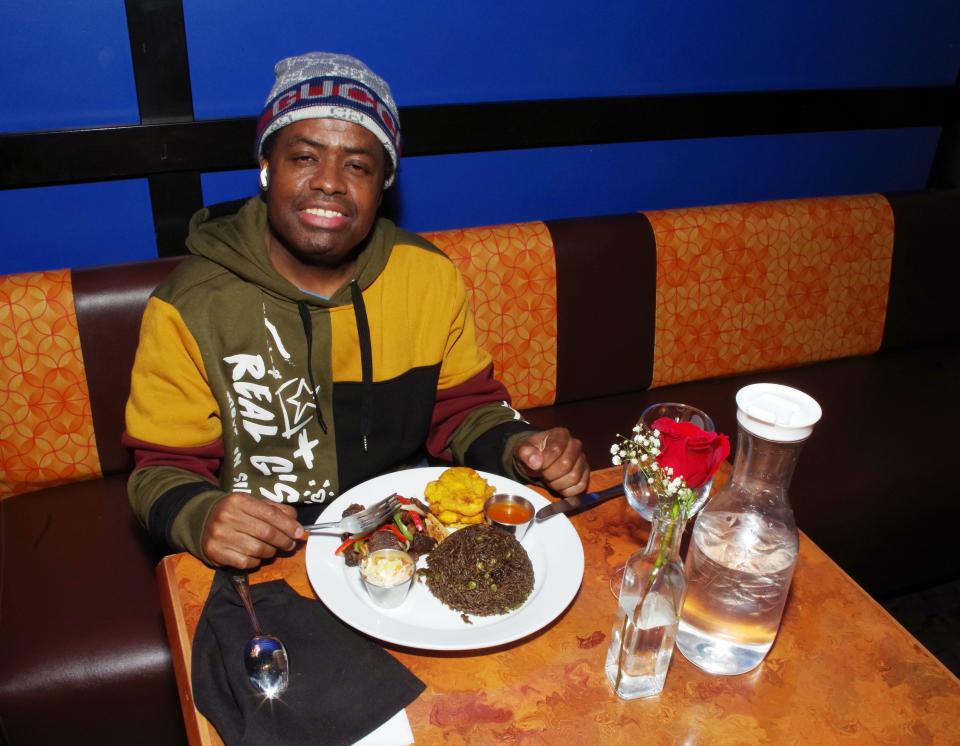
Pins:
x: 480, y: 570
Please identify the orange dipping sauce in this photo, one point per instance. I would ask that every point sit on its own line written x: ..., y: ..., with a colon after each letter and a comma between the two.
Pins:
x: 506, y: 512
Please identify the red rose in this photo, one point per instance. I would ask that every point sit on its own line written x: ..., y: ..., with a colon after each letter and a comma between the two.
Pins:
x: 692, y: 453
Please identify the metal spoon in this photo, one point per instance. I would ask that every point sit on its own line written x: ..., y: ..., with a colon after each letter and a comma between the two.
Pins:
x: 264, y: 656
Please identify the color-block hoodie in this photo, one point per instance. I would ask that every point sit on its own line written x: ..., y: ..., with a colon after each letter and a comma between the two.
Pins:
x: 242, y: 382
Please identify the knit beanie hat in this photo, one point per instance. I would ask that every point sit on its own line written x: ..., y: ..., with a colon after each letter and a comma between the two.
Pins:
x: 324, y: 85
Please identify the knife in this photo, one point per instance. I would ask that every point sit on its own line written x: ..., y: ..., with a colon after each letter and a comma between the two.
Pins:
x: 579, y: 502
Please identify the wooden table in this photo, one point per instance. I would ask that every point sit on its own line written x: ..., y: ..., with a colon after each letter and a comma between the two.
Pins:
x: 841, y: 669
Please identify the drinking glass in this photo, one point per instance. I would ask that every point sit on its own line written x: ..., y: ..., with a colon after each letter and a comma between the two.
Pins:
x: 639, y: 495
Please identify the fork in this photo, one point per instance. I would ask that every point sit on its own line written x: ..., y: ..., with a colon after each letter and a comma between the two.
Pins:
x: 363, y: 521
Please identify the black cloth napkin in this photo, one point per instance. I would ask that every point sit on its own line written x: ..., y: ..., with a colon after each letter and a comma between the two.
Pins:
x: 342, y: 685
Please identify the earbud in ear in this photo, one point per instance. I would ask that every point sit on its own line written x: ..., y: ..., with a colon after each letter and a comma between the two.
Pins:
x: 263, y: 178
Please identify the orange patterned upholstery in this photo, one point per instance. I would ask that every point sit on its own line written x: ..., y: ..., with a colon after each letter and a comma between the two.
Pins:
x: 739, y: 288
x: 769, y: 285
x: 46, y: 429
x: 511, y: 275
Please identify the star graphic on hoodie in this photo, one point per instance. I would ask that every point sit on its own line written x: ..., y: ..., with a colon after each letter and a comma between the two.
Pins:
x: 296, y: 404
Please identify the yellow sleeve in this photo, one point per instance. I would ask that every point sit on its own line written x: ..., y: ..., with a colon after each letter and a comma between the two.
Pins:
x: 170, y: 402
x: 463, y: 357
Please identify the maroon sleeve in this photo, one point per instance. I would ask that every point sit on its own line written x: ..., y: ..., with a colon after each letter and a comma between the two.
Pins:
x: 204, y: 461
x: 454, y: 404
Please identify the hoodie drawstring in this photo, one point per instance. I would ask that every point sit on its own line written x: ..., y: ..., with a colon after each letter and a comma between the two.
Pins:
x: 304, y: 310
x: 366, y: 361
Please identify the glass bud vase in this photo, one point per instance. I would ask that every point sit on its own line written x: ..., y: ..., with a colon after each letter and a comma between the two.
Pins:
x: 651, y: 597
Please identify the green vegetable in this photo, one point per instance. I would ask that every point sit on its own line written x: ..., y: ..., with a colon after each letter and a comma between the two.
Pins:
x: 397, y: 519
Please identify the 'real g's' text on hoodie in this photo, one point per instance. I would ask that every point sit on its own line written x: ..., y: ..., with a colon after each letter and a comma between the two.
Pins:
x: 244, y: 383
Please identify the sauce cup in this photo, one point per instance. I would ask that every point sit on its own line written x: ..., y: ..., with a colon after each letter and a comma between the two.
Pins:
x: 512, y: 513
x: 387, y: 575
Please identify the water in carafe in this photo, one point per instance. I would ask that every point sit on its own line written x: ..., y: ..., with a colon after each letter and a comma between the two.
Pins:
x: 737, y: 591
x: 744, y: 544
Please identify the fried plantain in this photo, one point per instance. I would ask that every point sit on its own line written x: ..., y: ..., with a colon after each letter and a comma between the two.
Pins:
x: 457, y: 497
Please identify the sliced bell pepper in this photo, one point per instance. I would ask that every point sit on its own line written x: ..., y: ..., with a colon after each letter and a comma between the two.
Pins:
x: 394, y: 530
x: 348, y: 542
x: 407, y: 503
x: 417, y: 521
x: 398, y: 520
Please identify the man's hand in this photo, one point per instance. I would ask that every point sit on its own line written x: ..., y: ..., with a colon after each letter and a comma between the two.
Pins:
x: 557, y: 458
x: 243, y: 530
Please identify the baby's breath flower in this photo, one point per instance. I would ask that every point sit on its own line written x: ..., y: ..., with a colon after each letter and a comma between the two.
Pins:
x: 642, y: 449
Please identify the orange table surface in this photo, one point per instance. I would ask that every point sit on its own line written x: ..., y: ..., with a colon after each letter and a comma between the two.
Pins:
x: 841, y: 669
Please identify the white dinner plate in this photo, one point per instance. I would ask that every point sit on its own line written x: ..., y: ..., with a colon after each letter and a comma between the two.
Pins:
x: 423, y: 621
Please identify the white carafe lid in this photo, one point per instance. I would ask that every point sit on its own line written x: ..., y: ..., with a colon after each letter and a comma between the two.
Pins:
x: 776, y: 412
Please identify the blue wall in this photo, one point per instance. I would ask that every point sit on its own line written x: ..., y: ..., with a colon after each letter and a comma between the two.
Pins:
x: 67, y: 64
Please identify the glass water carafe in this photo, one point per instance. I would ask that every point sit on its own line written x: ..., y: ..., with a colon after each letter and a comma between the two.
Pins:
x: 744, y: 544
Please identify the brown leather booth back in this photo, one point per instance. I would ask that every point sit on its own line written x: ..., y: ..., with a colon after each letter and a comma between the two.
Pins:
x: 678, y: 295
x: 926, y: 269
x: 68, y: 344
x: 109, y: 303
x: 548, y: 297
x: 648, y: 299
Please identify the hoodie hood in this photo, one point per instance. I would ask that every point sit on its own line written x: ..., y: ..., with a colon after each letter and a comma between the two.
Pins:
x: 236, y: 242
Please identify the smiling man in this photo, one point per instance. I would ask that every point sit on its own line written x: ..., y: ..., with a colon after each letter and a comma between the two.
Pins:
x: 308, y: 345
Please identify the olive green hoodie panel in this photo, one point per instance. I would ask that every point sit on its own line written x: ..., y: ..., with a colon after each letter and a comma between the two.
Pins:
x: 146, y: 486
x: 236, y: 242
x: 187, y: 529
x: 246, y: 321
x: 275, y: 444
x: 252, y: 342
x: 483, y: 419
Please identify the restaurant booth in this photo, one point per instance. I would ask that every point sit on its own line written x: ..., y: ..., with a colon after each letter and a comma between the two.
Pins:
x: 848, y: 299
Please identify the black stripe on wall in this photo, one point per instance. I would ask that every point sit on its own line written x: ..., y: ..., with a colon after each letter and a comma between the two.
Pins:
x: 44, y: 158
x: 161, y: 69
x: 945, y: 170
